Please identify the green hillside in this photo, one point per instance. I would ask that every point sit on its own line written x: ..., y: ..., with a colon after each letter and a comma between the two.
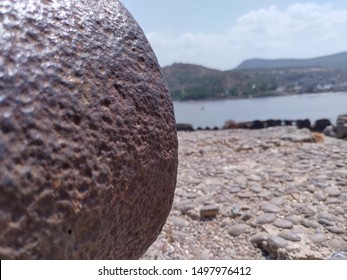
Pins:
x: 264, y: 78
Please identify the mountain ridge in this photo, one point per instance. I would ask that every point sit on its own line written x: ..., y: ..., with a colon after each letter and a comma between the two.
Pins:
x: 196, y: 82
x: 338, y: 60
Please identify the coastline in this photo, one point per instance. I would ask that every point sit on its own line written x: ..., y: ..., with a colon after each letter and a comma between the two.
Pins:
x: 260, y: 97
x: 274, y: 193
x: 291, y: 107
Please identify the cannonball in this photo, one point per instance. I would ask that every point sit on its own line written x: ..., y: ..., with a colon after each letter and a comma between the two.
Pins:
x: 88, y: 144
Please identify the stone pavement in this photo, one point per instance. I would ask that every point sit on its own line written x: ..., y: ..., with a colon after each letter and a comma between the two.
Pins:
x: 274, y: 193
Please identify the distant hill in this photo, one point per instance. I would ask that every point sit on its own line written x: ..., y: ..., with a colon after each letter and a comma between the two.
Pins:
x: 189, y: 82
x: 330, y: 61
x: 258, y: 77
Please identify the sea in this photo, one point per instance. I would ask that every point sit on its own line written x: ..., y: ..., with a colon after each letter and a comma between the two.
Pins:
x: 213, y: 113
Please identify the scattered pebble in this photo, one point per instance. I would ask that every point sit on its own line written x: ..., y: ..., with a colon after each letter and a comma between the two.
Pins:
x: 209, y: 211
x: 290, y: 235
x: 238, y: 229
x: 265, y: 218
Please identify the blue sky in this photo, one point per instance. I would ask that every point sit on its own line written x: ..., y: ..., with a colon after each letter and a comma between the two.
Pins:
x: 221, y: 34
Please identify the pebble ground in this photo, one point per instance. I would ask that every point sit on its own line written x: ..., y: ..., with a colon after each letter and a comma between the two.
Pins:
x: 275, y: 193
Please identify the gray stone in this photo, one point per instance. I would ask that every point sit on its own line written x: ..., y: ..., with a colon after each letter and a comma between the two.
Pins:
x: 241, y: 180
x: 226, y: 222
x: 294, y: 219
x: 234, y: 189
x: 233, y: 212
x: 271, y: 208
x: 244, y: 194
x: 341, y: 126
x: 310, y: 223
x: 327, y: 216
x: 336, y: 229
x: 179, y: 222
x: 209, y: 211
x: 281, y: 223
x: 318, y: 237
x: 290, y: 235
x: 259, y: 237
x: 193, y: 214
x: 265, y: 218
x: 339, y: 255
x: 265, y: 194
x: 185, y: 206
x: 88, y: 145
x: 325, y: 222
x: 256, y: 189
x: 247, y: 215
x: 276, y: 242
x: 301, y: 136
x: 344, y: 196
x: 238, y: 229
x: 332, y: 191
x: 277, y: 200
x: 338, y: 244
x: 320, y: 196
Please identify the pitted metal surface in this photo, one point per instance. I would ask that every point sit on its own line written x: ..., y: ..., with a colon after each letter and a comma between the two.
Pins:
x: 88, y: 146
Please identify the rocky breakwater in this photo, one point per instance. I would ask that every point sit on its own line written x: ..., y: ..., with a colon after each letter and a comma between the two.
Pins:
x: 275, y: 193
x: 88, y: 145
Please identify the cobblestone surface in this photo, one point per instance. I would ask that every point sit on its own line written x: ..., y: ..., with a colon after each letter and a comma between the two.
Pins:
x: 274, y: 193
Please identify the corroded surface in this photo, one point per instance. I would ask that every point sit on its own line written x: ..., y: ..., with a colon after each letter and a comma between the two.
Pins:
x: 88, y: 147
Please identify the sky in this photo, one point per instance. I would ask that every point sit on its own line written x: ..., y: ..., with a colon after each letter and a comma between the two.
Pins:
x: 220, y: 34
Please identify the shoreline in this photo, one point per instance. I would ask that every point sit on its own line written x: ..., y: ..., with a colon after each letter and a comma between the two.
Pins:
x: 258, y: 97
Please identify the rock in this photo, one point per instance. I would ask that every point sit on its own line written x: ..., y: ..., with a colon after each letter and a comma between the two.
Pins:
x: 265, y: 218
x: 259, y: 237
x: 179, y: 222
x: 325, y: 222
x: 88, y: 138
x: 301, y: 136
x: 265, y: 194
x: 233, y: 212
x: 339, y: 255
x: 277, y: 201
x: 320, y: 196
x: 318, y: 237
x: 321, y: 124
x: 271, y: 208
x: 271, y: 123
x: 281, y: 223
x: 184, y: 127
x: 257, y: 124
x: 193, y: 214
x: 238, y: 229
x: 336, y: 229
x: 338, y: 244
x: 290, y: 235
x: 330, y: 131
x: 274, y: 243
x: 247, y: 215
x: 209, y: 211
x: 332, y: 191
x: 310, y: 223
x: 288, y: 122
x: 185, y: 206
x: 341, y: 126
x: 230, y: 124
x: 303, y: 124
x: 327, y: 216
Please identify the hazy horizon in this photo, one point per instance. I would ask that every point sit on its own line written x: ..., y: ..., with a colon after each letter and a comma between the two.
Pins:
x: 220, y: 35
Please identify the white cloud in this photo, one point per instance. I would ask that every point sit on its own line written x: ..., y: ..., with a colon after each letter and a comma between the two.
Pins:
x: 300, y: 30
